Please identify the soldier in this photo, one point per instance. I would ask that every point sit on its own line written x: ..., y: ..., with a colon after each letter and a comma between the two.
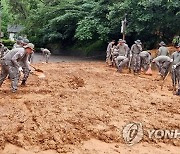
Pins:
x: 145, y: 60
x: 176, y: 69
x: 163, y: 63
x: 109, y: 51
x: 18, y: 43
x: 163, y: 50
x: 135, y: 56
x: 1, y: 49
x: 10, y: 64
x: 46, y: 54
x: 122, y: 58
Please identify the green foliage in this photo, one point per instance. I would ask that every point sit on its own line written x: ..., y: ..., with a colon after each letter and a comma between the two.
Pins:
x: 71, y: 22
x: 8, y: 43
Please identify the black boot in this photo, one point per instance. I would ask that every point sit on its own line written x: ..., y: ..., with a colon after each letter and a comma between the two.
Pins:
x: 23, y: 83
x: 178, y: 92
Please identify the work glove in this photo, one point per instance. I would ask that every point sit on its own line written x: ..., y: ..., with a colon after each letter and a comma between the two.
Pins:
x: 174, y: 67
x: 20, y: 69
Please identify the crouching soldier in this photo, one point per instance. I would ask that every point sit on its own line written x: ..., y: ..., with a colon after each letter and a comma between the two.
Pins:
x: 163, y: 64
x: 121, y: 59
x: 176, y: 69
x: 135, y: 54
x: 10, y: 64
x: 145, y: 60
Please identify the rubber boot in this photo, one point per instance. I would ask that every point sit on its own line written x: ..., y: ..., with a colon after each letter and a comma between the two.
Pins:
x: 178, y: 92
x: 23, y: 83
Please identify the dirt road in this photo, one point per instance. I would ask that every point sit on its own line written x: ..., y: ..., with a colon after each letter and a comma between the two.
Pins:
x: 82, y: 107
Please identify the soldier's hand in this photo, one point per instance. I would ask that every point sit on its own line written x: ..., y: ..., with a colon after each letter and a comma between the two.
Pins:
x: 20, y: 69
x: 174, y: 67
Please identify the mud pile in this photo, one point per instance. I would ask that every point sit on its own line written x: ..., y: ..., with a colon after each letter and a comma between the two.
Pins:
x: 81, y: 104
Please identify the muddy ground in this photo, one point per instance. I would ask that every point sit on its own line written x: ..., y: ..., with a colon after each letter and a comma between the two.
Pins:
x: 82, y: 107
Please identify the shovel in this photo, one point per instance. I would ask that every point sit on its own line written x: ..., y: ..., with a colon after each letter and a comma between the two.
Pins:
x: 37, y: 69
x: 39, y: 73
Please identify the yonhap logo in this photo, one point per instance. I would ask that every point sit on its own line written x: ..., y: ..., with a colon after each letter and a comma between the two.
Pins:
x: 133, y: 133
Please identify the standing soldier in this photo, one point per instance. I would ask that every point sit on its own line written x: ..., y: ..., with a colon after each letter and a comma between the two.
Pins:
x: 163, y: 64
x: 10, y: 64
x: 135, y: 56
x: 145, y: 60
x: 109, y: 52
x: 163, y: 50
x: 176, y: 69
x: 122, y: 58
x: 46, y: 54
x: 1, y: 49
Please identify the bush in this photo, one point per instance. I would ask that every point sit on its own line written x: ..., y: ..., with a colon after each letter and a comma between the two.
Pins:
x: 8, y: 43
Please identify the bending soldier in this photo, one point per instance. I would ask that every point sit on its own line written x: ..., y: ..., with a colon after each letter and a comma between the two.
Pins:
x: 145, y: 60
x: 163, y: 63
x: 10, y: 64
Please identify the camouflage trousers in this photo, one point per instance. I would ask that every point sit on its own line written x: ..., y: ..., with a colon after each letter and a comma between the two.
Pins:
x: 121, y: 61
x: 26, y: 71
x: 175, y: 75
x: 8, y: 69
x: 47, y: 58
x: 163, y: 67
x: 136, y: 63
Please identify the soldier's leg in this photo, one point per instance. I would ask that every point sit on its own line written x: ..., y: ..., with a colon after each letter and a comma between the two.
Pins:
x: 138, y: 63
x: 48, y: 58
x: 14, y: 76
x: 146, y: 64
x: 165, y: 68
x: 158, y: 65
x: 174, y: 78
x: 26, y: 72
x: 134, y: 63
x: 118, y: 60
x: 4, y: 73
x: 178, y: 79
x: 107, y: 56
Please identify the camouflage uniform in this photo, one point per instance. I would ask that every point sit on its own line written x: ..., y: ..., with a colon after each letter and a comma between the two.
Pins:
x: 145, y: 60
x: 46, y: 54
x: 163, y: 51
x: 178, y: 76
x: 109, y: 51
x: 10, y: 65
x: 176, y: 70
x: 163, y: 63
x: 122, y: 59
x: 136, y: 60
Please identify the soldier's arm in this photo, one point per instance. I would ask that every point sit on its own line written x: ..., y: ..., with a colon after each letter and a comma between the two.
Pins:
x: 159, y: 52
x: 17, y: 56
x: 131, y: 51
